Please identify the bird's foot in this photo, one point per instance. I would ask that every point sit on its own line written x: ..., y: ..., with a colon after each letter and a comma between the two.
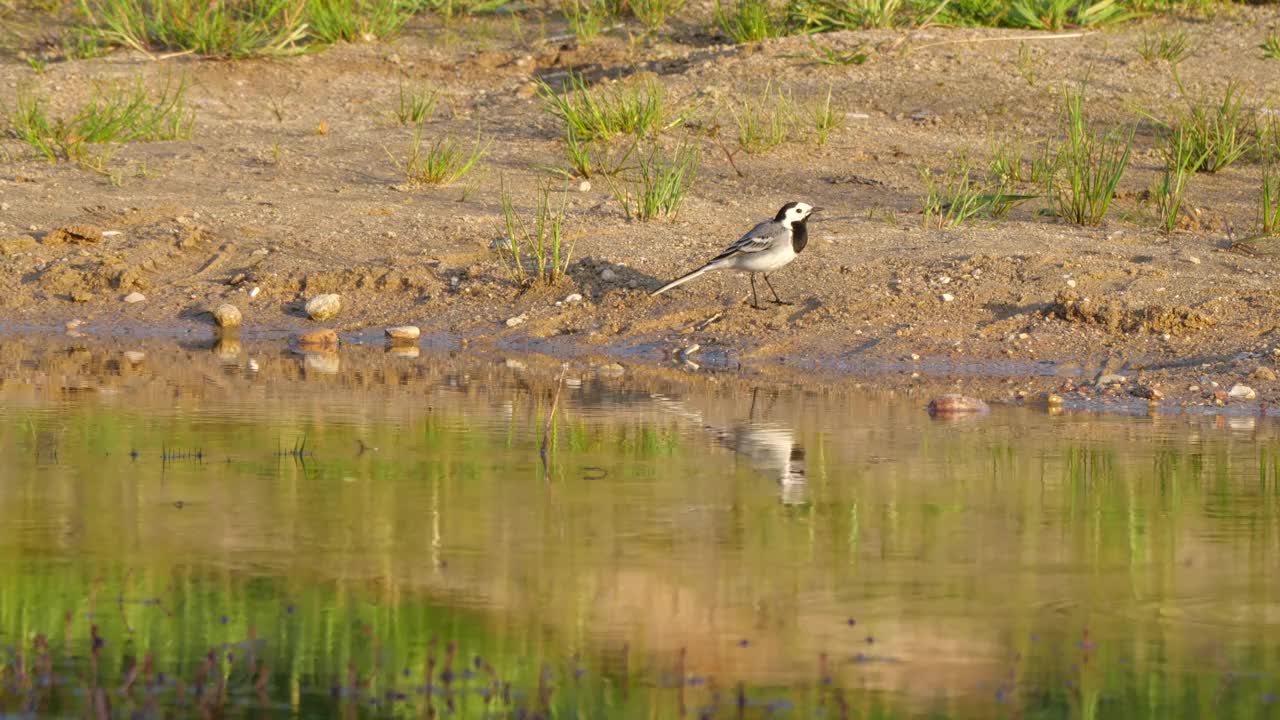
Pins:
x: 781, y: 302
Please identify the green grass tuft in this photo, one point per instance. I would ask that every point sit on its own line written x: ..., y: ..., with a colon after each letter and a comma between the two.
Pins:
x: 764, y: 121
x: 1086, y: 165
x: 1172, y: 47
x: 331, y: 21
x: 824, y: 119
x: 442, y: 163
x: 1219, y: 133
x: 654, y: 13
x: 1057, y: 14
x: 819, y: 16
x: 588, y: 158
x: 594, y: 114
x: 114, y: 115
x: 1271, y: 47
x: 750, y: 21
x: 956, y: 197
x: 1181, y: 161
x: 1269, y: 198
x: 1006, y: 164
x: 537, y: 253
x: 415, y: 105
x: 234, y: 30
x: 587, y: 18
x: 659, y: 186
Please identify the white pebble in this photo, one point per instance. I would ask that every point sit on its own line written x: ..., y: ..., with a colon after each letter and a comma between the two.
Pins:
x: 134, y: 297
x: 1241, y: 392
x: 324, y: 307
x: 948, y: 297
x: 403, y: 332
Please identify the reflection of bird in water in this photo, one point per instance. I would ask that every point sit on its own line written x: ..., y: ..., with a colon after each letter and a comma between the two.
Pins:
x: 772, y: 450
x: 769, y: 447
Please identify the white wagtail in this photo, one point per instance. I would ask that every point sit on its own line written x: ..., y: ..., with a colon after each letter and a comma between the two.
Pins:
x: 769, y: 246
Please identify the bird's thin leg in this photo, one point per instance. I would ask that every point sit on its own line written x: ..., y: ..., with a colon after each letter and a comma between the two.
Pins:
x: 777, y: 300
x: 755, y: 301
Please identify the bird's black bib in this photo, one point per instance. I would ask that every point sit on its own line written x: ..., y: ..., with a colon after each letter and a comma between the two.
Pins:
x: 799, y: 236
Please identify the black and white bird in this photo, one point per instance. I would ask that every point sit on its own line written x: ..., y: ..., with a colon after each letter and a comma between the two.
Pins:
x: 769, y: 246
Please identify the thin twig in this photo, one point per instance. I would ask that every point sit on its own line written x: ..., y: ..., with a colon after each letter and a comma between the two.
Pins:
x: 700, y: 326
x: 546, y: 428
x: 1062, y: 36
x: 728, y: 155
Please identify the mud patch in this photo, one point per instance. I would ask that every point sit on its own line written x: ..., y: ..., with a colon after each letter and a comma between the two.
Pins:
x: 1070, y: 306
x: 74, y: 235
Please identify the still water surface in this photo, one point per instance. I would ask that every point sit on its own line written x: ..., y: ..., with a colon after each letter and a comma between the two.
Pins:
x: 242, y: 531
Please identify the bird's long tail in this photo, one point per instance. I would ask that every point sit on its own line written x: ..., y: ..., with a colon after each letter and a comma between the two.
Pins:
x: 684, y: 279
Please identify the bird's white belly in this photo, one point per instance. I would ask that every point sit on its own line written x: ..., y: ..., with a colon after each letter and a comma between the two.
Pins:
x: 766, y: 261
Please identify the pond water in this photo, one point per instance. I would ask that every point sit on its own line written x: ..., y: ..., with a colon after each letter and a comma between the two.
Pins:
x: 237, y: 530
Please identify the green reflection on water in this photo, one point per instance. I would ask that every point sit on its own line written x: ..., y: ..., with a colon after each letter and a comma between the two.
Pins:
x: 330, y: 537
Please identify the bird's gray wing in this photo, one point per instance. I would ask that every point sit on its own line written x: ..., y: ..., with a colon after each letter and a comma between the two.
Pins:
x: 758, y: 239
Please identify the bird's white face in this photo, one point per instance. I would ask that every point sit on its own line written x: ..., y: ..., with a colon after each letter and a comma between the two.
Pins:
x: 798, y: 212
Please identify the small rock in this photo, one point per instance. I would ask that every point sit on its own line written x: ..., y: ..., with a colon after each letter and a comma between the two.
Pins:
x: 1148, y: 392
x: 254, y: 292
x: 17, y: 244
x: 134, y: 356
x: 1241, y: 392
x: 1263, y: 373
x: 517, y: 320
x: 1053, y: 400
x: 573, y: 298
x: 608, y: 275
x: 957, y: 405
x: 134, y: 297
x: 612, y: 369
x: 319, y: 338
x: 1071, y: 283
x: 1220, y: 397
x: 73, y: 323
x: 584, y: 186
x: 227, y: 315
x: 403, y: 332
x: 324, y: 307
x: 690, y: 350
x: 1110, y: 379
x: 1193, y: 259
x: 944, y: 280
x: 947, y: 297
x: 1193, y: 388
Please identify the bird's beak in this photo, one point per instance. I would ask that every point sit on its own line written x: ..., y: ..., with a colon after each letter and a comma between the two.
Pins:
x: 814, y: 210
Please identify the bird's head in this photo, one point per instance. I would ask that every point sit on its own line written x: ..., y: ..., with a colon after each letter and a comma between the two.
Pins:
x: 795, y: 212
